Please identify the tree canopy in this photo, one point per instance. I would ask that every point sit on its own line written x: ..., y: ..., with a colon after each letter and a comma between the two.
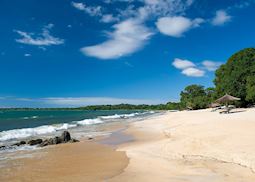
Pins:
x: 237, y: 76
x: 196, y: 97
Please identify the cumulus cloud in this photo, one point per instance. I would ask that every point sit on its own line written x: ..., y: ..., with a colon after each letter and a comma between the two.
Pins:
x: 90, y: 10
x: 79, y: 6
x: 131, y: 32
x: 42, y: 39
x: 109, y: 18
x: 190, y: 69
x: 182, y: 63
x: 176, y: 26
x: 128, y: 36
x: 211, y: 65
x: 193, y: 72
x: 221, y: 17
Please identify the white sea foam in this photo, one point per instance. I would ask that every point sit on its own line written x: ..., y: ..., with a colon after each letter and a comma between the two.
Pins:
x: 31, y: 117
x: 48, y: 129
x: 29, y: 132
x: 125, y: 116
x: 89, y: 121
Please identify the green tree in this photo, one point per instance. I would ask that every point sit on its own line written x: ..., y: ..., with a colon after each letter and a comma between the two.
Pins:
x: 250, y: 89
x: 194, y: 96
x: 211, y: 94
x: 237, y: 75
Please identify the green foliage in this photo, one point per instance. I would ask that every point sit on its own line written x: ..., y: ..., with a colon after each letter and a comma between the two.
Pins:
x: 130, y: 107
x: 196, y: 97
x: 172, y: 106
x: 211, y: 95
x: 236, y: 77
x: 250, y: 89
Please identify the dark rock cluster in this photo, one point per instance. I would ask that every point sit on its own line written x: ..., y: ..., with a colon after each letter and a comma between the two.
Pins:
x: 64, y: 138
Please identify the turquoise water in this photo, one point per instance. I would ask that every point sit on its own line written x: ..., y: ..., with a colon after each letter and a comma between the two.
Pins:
x: 30, y: 119
x: 17, y: 125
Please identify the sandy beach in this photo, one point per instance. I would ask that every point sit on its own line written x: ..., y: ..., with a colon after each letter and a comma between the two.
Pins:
x: 84, y: 161
x: 193, y: 146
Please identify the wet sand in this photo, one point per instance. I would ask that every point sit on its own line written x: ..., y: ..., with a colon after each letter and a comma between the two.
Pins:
x: 83, y: 161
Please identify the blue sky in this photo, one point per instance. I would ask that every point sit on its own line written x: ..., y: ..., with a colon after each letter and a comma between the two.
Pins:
x: 72, y: 53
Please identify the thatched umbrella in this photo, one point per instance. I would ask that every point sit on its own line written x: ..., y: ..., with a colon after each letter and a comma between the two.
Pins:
x: 227, y: 98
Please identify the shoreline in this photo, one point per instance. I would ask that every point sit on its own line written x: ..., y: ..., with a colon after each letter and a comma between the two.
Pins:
x: 93, y: 160
x: 174, y: 146
x: 192, y: 146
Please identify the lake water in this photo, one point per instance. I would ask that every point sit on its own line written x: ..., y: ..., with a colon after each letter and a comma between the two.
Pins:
x: 21, y: 125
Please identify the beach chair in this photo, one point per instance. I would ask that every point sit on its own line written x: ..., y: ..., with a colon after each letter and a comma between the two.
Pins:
x: 227, y: 110
x: 215, y: 109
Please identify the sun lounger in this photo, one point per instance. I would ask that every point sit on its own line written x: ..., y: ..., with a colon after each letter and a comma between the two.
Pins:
x: 227, y: 110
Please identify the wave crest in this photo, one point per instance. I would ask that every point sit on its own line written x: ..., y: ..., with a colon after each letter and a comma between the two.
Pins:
x: 47, y: 129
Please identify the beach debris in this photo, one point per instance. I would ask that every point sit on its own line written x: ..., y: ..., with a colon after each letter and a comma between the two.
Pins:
x: 35, y: 142
x: 90, y: 138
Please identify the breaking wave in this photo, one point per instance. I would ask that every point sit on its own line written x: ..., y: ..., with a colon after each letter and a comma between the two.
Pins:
x: 47, y: 129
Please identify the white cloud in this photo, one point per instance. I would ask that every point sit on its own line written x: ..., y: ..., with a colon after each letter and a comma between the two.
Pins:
x: 211, y: 65
x: 221, y: 18
x: 188, y: 68
x: 128, y: 36
x: 112, y: 1
x: 27, y: 55
x: 150, y: 9
x: 163, y: 8
x: 43, y: 39
x: 90, y: 10
x: 182, y: 64
x: 82, y: 101
x: 108, y: 18
x: 79, y: 6
x: 193, y: 72
x: 131, y: 33
x: 241, y: 4
x: 72, y: 101
x: 128, y: 64
x: 176, y: 26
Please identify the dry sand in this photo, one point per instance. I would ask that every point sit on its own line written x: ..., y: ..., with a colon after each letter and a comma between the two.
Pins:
x: 192, y: 146
x: 187, y: 146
